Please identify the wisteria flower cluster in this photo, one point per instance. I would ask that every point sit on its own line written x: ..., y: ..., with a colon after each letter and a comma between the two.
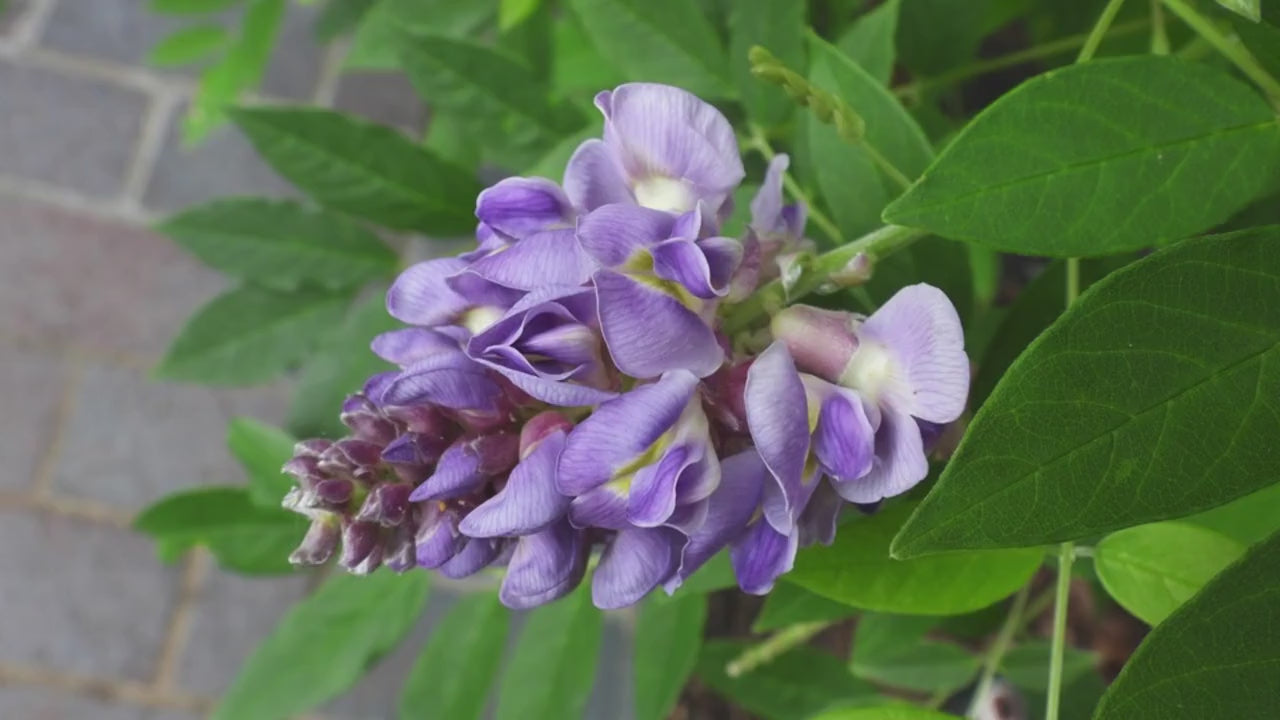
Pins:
x: 566, y: 388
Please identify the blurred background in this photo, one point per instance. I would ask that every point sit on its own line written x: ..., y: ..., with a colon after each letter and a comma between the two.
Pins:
x: 92, y: 626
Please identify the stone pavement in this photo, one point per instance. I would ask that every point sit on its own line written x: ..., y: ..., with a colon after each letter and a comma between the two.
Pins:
x: 91, y: 625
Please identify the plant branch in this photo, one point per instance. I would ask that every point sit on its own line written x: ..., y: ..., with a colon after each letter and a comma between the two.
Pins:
x: 778, y: 643
x: 1238, y: 54
x: 994, y: 654
x: 1159, y: 34
x: 1099, y: 31
x: 1066, y: 554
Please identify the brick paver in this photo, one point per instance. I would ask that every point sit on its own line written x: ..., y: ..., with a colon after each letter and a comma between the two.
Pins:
x: 31, y: 382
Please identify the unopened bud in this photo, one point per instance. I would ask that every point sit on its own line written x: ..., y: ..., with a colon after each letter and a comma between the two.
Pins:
x: 361, y: 547
x: 820, y: 341
x: 319, y: 542
x: 855, y: 272
x: 386, y: 504
x: 539, y: 427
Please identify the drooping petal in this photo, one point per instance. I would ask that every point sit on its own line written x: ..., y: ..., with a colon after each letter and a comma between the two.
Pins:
x: 912, y: 356
x: 844, y: 439
x: 766, y: 206
x: 621, y: 430
x: 649, y: 332
x: 409, y: 345
x: 664, y: 134
x: 421, y: 294
x: 637, y: 561
x: 467, y: 465
x: 474, y: 556
x: 778, y: 417
x: 549, y: 257
x: 518, y: 206
x: 545, y: 566
x: 899, y: 463
x: 652, y: 498
x: 613, y: 233
x: 761, y: 556
x: 438, y: 538
x: 729, y: 510
x: 449, y: 379
x: 529, y: 502
x: 602, y: 507
x: 821, y: 516
x: 593, y: 177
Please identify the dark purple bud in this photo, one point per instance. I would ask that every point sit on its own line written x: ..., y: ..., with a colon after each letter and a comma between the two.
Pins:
x: 358, y: 453
x: 314, y: 447
x: 399, y: 551
x: 422, y: 419
x: 820, y: 341
x: 333, y: 493
x: 386, y: 505
x: 361, y: 547
x: 302, y: 467
x: 319, y: 542
x: 369, y: 427
x: 415, y: 449
x: 539, y: 427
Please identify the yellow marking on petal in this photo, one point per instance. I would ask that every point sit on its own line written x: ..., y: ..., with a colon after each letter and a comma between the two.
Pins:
x: 869, y: 371
x: 659, y: 192
x: 479, y: 319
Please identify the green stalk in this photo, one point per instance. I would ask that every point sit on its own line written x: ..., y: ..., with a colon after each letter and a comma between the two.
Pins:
x: 1238, y: 54
x: 778, y: 643
x: 1099, y: 31
x: 991, y: 662
x: 1066, y: 554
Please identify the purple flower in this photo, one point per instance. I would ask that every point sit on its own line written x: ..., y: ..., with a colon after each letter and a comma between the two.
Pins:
x: 774, y: 235
x: 663, y: 149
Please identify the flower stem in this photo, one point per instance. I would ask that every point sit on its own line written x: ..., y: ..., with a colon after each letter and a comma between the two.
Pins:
x: 1066, y: 554
x: 887, y: 167
x: 1159, y: 35
x: 994, y: 654
x: 1073, y: 280
x: 1038, y: 52
x: 1238, y: 54
x: 1099, y: 31
x: 758, y: 142
x: 777, y: 644
x: 775, y: 295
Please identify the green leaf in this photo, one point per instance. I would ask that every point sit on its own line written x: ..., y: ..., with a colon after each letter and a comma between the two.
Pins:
x: 925, y: 666
x: 938, y: 35
x: 491, y: 90
x: 857, y: 570
x: 280, y: 244
x: 324, y: 644
x: 1217, y: 656
x: 552, y: 669
x: 363, y: 169
x: 668, y: 636
x: 262, y: 450
x: 1092, y: 159
x: 243, y: 536
x: 869, y: 41
x: 1249, y: 9
x: 338, y: 368
x: 239, y: 69
x: 249, y: 335
x: 1154, y: 396
x: 452, y: 677
x: 882, y: 634
x: 886, y: 712
x: 188, y: 45
x: 1027, y: 665
x: 716, y: 574
x: 513, y: 12
x: 578, y: 69
x: 1248, y: 519
x: 792, y: 686
x: 553, y: 161
x: 854, y: 189
x: 339, y: 16
x: 779, y: 26
x: 377, y: 40
x: 1262, y: 38
x: 667, y: 41
x: 789, y: 604
x: 1152, y: 569
x: 190, y: 7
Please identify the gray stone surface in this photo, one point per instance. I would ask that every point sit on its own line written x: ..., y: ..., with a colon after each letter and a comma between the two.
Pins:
x: 103, y: 285
x: 30, y: 383
x: 231, y: 615
x: 25, y: 703
x: 384, y: 97
x: 67, y: 131
x: 9, y: 14
x: 123, y: 31
x: 222, y: 164
x: 130, y: 440
x: 81, y: 597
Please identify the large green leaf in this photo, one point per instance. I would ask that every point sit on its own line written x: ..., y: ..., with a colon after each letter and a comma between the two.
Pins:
x: 1248, y: 9
x: 1152, y: 569
x: 324, y: 644
x: 188, y: 45
x: 240, y: 69
x: 854, y: 189
x: 1097, y: 158
x: 1262, y: 38
x: 376, y: 45
x: 550, y: 674
x: 789, y: 604
x: 1218, y: 656
x: 668, y: 636
x: 280, y: 244
x: 926, y: 666
x: 243, y: 536
x: 363, y: 169
x: 489, y: 89
x: 869, y: 41
x: 1027, y: 665
x: 338, y: 368
x: 1156, y: 395
x: 792, y: 686
x: 262, y: 450
x: 886, y: 712
x: 857, y: 569
x: 779, y: 26
x: 1248, y: 519
x: 452, y: 676
x: 668, y: 41
x: 249, y: 334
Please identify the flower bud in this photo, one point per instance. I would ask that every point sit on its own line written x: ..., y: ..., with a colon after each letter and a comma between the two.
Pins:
x: 361, y: 547
x: 387, y: 505
x: 538, y: 427
x: 319, y: 542
x: 820, y: 341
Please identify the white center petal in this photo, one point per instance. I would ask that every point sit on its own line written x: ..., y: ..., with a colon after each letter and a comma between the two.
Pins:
x: 870, y: 371
x: 658, y: 192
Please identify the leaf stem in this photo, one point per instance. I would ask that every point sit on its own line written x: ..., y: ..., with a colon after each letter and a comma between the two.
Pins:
x: 887, y: 167
x: 1073, y: 280
x: 775, y: 295
x: 757, y: 141
x: 1099, y: 31
x: 1237, y: 53
x: 1038, y: 52
x: 994, y: 654
x: 778, y: 643
x: 1066, y: 554
x: 1159, y: 34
